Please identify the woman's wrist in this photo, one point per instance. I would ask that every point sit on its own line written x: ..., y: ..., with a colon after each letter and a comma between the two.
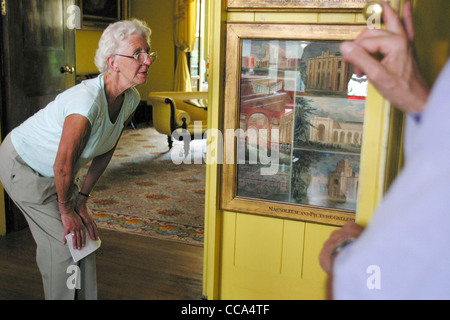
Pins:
x: 83, y: 194
x: 81, y: 201
x: 65, y: 202
x: 66, y: 210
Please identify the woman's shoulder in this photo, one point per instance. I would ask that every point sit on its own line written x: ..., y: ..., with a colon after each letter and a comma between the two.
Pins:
x: 84, y: 98
x: 84, y: 92
x: 91, y: 87
x: 134, y: 93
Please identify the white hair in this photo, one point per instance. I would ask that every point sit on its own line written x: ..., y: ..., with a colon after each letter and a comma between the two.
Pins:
x: 113, y: 37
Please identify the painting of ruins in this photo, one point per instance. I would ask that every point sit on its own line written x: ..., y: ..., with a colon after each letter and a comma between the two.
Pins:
x: 307, y: 93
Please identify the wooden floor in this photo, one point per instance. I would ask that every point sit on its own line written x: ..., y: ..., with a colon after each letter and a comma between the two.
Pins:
x: 129, y: 267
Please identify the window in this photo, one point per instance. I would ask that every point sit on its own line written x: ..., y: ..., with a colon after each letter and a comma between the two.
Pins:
x: 198, y: 57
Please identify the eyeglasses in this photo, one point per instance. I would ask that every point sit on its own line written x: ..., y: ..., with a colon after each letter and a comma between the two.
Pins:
x: 142, y: 57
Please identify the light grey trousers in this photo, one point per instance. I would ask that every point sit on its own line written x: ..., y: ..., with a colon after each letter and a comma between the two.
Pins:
x: 35, y: 196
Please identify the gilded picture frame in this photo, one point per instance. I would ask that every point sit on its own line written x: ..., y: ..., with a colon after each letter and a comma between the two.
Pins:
x: 97, y: 15
x: 297, y: 4
x: 271, y: 86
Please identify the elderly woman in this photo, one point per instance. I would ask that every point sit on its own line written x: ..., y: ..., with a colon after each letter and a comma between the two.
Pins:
x: 41, y: 158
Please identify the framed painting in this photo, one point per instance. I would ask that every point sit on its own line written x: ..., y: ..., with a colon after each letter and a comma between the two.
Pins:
x: 293, y: 122
x: 297, y: 4
x: 98, y: 14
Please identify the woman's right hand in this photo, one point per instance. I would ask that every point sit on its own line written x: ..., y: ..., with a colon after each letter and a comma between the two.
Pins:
x: 75, y: 134
x: 73, y: 225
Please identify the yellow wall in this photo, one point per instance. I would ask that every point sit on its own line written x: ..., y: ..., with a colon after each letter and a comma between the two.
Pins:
x: 158, y: 15
x: 257, y: 257
x: 85, y: 47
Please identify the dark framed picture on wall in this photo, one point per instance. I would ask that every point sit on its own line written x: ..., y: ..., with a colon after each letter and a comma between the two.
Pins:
x: 98, y: 14
x: 293, y: 122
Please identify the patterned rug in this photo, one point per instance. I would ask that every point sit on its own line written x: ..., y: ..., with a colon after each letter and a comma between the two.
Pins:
x: 146, y: 190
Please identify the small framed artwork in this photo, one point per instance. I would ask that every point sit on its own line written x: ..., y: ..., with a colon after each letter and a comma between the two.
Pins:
x: 293, y: 122
x: 98, y: 14
x: 297, y: 4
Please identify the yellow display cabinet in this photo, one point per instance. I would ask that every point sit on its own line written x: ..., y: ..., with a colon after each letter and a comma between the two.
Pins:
x: 263, y: 237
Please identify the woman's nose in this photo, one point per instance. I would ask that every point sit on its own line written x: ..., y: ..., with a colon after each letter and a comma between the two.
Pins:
x: 147, y: 61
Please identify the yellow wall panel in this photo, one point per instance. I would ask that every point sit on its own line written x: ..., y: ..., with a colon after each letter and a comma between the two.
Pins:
x: 315, y: 237
x: 270, y: 258
x: 262, y: 258
x: 258, y: 243
x: 289, y: 17
x: 240, y: 16
x: 293, y: 244
x: 336, y: 18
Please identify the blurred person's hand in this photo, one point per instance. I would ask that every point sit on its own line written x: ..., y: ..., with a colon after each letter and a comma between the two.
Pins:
x: 396, y: 76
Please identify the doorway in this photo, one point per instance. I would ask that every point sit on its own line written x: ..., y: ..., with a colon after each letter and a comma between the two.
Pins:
x: 38, y: 53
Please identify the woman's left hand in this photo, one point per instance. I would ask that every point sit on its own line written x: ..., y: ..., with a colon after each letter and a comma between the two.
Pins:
x: 87, y: 218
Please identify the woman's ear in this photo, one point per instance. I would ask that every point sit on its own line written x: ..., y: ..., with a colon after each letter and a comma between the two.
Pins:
x: 112, y: 63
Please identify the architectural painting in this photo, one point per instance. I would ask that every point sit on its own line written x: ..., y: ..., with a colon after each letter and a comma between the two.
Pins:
x: 295, y: 112
x: 302, y: 90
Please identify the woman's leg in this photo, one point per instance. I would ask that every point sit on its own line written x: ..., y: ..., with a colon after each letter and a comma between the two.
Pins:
x: 35, y: 196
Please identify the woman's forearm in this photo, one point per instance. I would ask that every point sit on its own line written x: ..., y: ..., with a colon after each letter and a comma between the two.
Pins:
x: 75, y: 134
x: 96, y: 169
x: 64, y: 176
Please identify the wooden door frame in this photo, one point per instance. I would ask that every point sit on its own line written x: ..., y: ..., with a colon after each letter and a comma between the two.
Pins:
x: 2, y: 88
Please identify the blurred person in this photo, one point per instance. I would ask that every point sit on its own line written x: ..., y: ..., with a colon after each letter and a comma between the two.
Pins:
x: 403, y: 253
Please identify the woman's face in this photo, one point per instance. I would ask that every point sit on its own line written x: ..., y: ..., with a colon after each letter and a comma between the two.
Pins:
x: 130, y: 70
